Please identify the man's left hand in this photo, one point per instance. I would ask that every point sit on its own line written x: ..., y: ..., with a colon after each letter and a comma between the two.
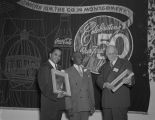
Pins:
x: 92, y: 111
x: 127, y: 81
x: 61, y: 94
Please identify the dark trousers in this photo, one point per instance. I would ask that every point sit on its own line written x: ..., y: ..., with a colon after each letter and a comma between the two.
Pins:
x: 54, y: 115
x: 115, y: 113
x: 80, y: 116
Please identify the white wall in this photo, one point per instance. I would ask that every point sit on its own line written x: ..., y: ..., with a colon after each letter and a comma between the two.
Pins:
x: 8, y: 114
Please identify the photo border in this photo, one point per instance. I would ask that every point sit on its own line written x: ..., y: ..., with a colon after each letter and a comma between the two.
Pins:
x: 67, y: 84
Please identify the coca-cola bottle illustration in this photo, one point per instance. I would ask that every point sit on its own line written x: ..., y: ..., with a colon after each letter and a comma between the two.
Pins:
x: 63, y: 39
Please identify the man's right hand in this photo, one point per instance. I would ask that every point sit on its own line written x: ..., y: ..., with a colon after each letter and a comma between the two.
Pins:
x: 61, y: 94
x: 70, y: 112
x: 108, y: 85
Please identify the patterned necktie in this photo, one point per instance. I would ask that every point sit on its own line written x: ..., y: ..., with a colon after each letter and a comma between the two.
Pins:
x: 56, y: 67
x: 80, y: 70
x: 111, y: 65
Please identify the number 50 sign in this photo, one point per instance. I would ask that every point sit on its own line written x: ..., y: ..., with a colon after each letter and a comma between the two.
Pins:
x: 96, y: 34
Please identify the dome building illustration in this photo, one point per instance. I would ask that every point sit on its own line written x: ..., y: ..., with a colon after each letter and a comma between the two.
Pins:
x: 22, y: 60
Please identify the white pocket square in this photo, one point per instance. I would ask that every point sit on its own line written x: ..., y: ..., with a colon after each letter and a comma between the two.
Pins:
x: 115, y: 69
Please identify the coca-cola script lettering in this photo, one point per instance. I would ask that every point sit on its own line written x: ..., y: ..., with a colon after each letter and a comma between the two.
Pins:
x: 66, y: 41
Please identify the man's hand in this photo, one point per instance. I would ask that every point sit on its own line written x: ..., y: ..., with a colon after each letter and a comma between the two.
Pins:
x: 62, y: 70
x: 127, y: 81
x: 92, y: 110
x: 108, y: 85
x: 61, y: 94
x: 70, y: 112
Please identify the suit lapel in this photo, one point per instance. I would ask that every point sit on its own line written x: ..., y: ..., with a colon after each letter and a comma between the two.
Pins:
x: 48, y: 63
x: 76, y: 76
x: 75, y: 72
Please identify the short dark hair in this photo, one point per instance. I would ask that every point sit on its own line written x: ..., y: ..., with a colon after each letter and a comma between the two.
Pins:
x: 53, y: 49
x: 75, y: 52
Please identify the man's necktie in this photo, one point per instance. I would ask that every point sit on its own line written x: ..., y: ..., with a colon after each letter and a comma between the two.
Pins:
x: 56, y: 67
x: 80, y: 70
x: 111, y: 65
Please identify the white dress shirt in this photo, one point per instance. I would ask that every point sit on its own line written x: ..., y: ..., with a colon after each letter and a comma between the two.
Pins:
x: 79, y: 69
x: 113, y: 62
x: 52, y: 63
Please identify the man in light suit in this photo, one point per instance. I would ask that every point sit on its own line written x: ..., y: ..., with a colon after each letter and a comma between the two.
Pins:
x: 81, y: 103
x: 115, y: 104
x: 52, y: 105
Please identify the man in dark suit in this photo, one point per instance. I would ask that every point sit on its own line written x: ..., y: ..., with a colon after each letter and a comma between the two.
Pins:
x: 115, y: 104
x: 52, y: 105
x: 81, y: 103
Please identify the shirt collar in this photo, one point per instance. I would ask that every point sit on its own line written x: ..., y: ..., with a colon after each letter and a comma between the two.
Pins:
x: 113, y: 62
x: 77, y: 66
x: 52, y: 63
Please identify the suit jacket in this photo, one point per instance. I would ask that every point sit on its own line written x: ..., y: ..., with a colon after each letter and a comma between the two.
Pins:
x: 120, y: 98
x: 49, y: 100
x: 82, y: 92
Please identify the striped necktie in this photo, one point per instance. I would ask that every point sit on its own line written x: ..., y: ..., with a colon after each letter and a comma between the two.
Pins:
x: 111, y: 65
x: 56, y: 66
x: 80, y: 70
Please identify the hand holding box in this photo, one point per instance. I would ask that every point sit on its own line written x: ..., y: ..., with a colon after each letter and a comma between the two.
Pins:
x: 124, y: 77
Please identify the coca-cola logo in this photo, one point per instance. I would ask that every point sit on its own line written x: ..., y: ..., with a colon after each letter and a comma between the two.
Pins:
x: 96, y: 34
x: 66, y: 41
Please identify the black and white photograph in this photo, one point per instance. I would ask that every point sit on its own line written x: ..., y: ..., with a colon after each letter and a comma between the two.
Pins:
x: 60, y: 82
x: 64, y: 59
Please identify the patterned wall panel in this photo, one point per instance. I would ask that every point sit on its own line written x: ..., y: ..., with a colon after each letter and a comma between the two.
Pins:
x: 151, y: 38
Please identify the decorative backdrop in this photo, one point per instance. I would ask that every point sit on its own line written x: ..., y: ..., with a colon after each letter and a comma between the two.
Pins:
x: 151, y: 51
x: 30, y: 28
x: 151, y: 39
